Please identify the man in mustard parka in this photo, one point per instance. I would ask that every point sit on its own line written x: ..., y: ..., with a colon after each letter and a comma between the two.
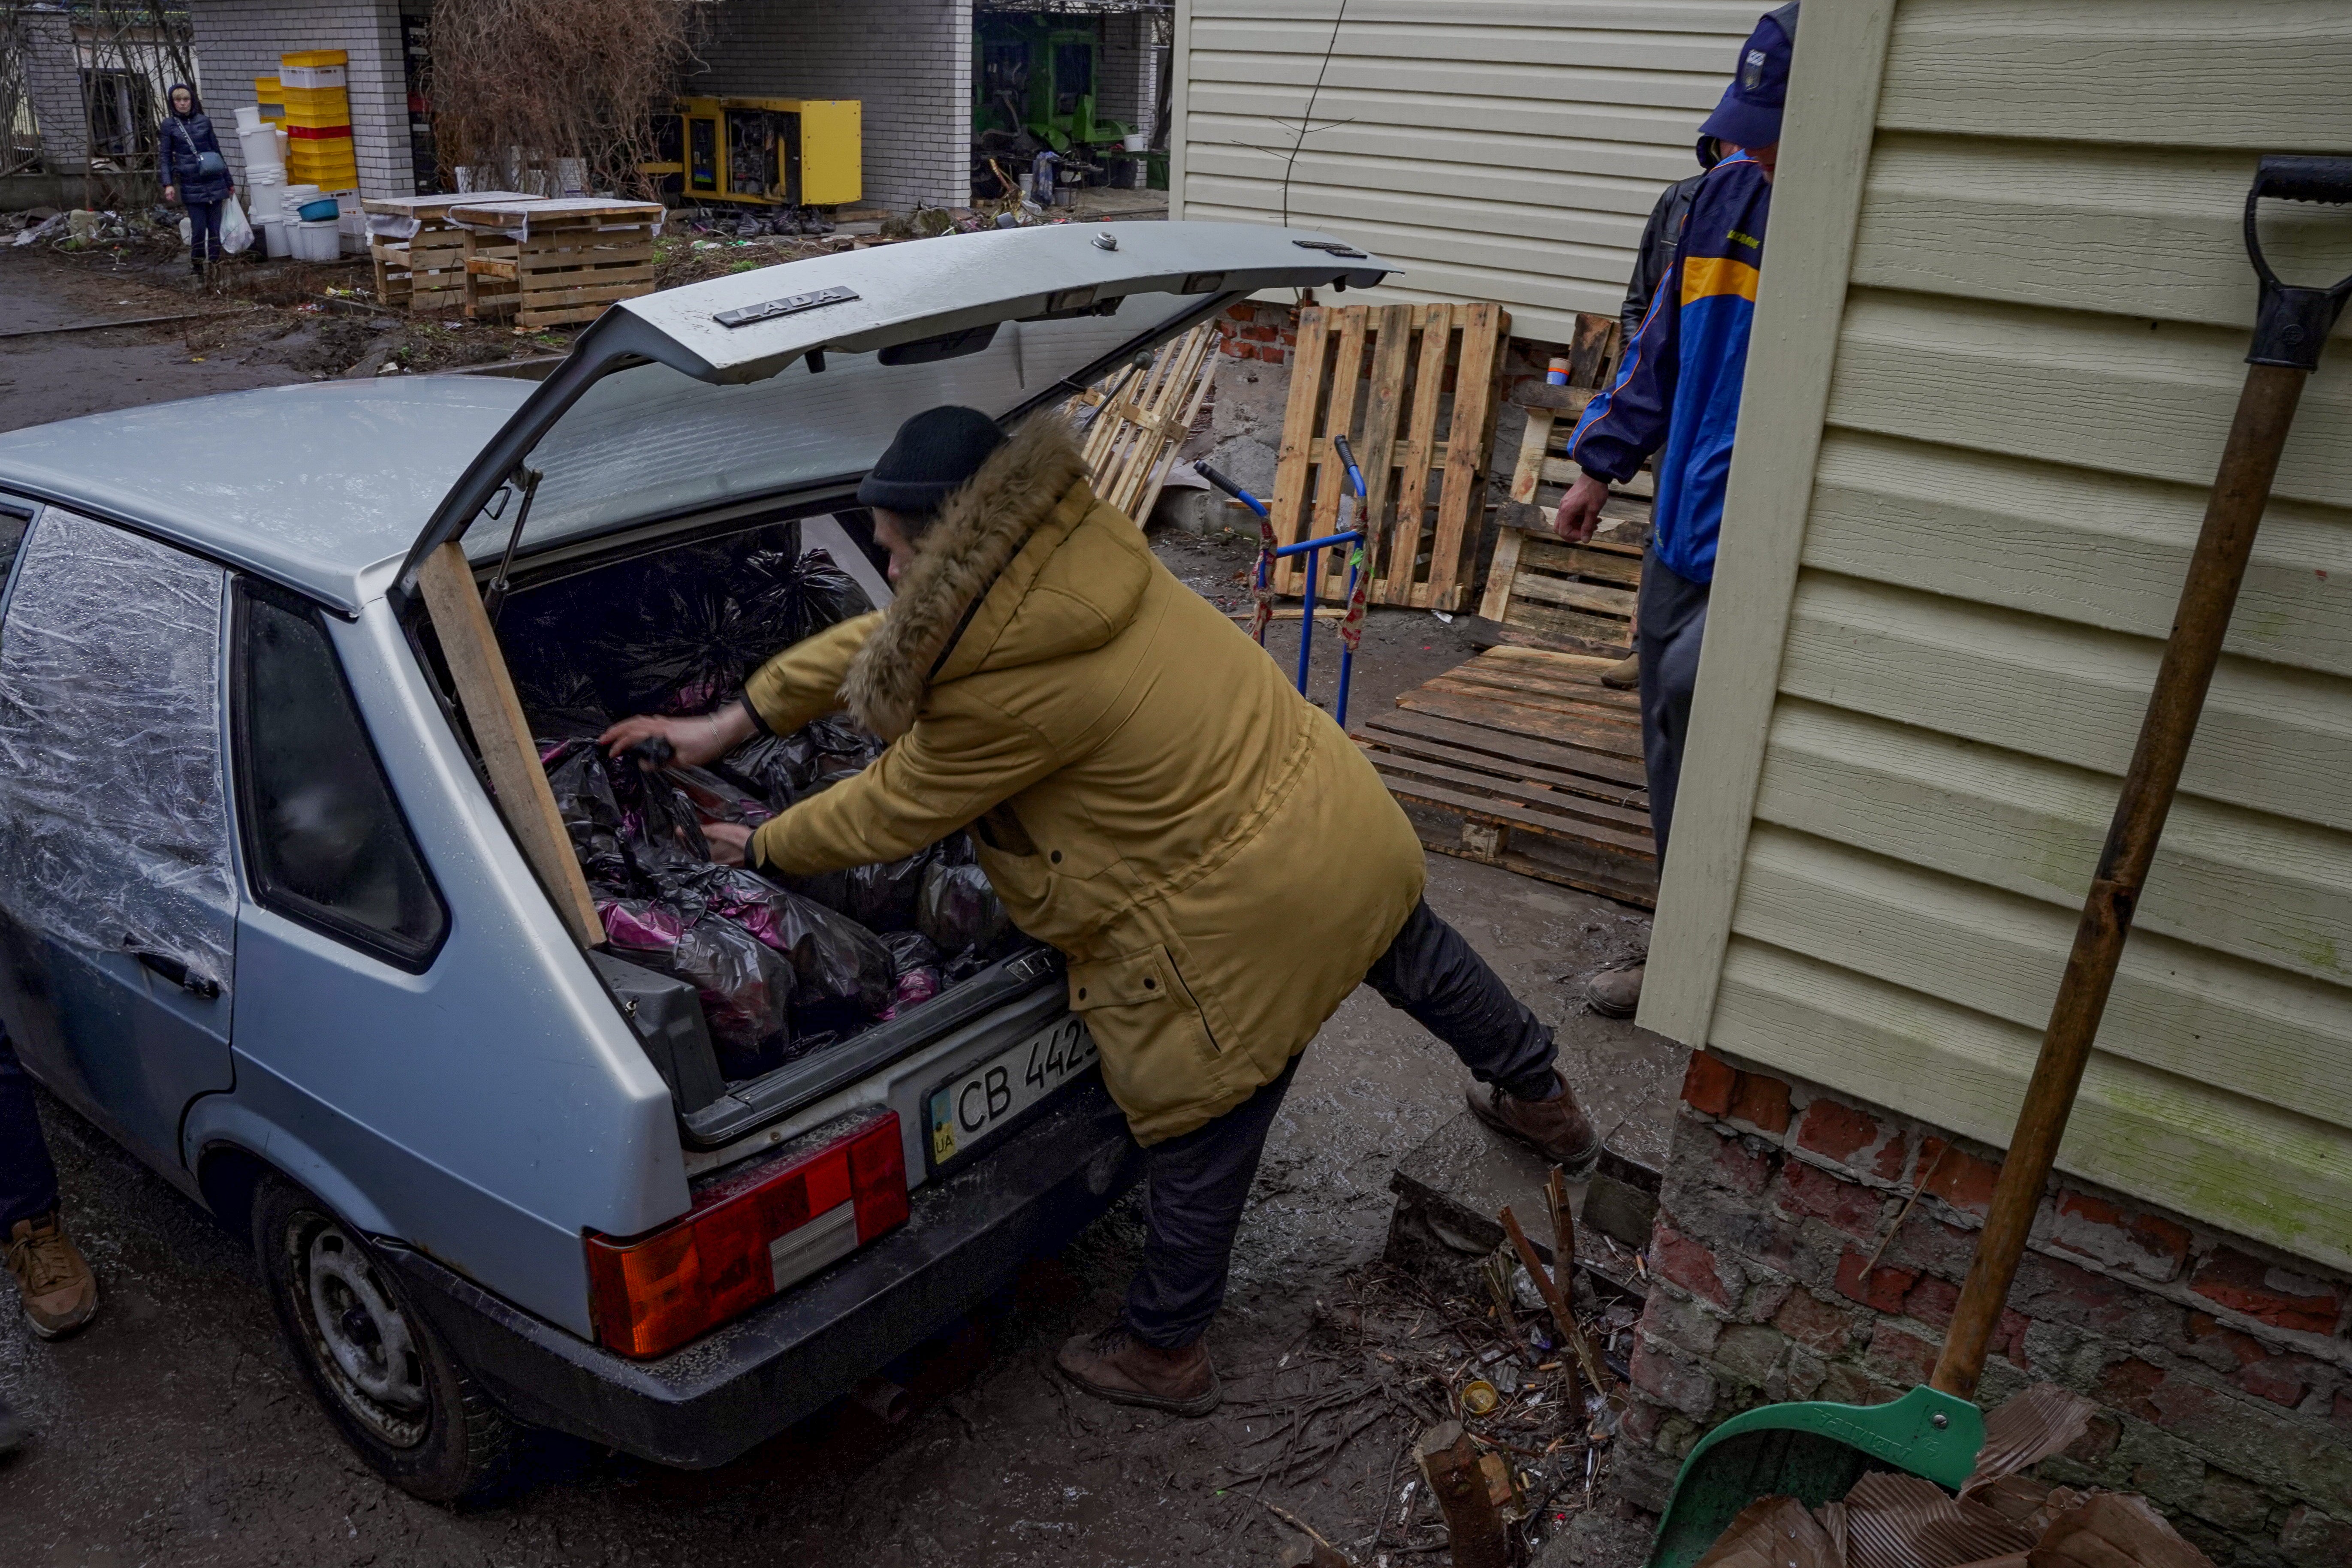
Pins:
x: 1219, y: 863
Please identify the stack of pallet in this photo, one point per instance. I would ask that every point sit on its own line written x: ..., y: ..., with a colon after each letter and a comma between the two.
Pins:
x: 555, y: 261
x: 1522, y: 758
x: 1542, y: 592
x: 311, y: 83
x: 420, y: 255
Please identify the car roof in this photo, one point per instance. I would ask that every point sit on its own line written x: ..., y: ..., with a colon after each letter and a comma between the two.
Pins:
x: 310, y: 486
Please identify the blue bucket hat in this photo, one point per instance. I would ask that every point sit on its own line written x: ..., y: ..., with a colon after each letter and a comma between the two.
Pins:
x: 1749, y: 114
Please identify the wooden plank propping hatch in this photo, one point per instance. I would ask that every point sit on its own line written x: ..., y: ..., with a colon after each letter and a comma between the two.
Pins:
x: 1522, y: 758
x: 486, y: 692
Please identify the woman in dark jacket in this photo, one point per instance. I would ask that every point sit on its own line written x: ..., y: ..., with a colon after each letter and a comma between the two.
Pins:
x: 182, y: 162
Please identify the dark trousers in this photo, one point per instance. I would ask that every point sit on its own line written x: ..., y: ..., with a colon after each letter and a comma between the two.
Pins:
x: 1669, y: 622
x: 1196, y: 1184
x: 28, y: 1182
x: 204, y: 231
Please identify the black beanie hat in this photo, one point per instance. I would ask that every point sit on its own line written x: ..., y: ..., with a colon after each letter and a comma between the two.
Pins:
x: 933, y: 453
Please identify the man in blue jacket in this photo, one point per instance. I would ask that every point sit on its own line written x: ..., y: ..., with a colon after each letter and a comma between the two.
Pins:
x: 1678, y: 388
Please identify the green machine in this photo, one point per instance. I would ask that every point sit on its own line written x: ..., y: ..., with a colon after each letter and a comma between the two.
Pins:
x: 1037, y: 74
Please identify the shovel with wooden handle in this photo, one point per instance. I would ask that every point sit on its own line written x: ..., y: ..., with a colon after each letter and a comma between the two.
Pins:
x: 1816, y: 1451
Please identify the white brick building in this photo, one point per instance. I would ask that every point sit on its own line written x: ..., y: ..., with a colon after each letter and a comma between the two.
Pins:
x: 237, y: 40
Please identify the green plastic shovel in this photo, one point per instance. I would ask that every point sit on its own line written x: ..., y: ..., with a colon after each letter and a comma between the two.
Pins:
x: 1815, y: 1452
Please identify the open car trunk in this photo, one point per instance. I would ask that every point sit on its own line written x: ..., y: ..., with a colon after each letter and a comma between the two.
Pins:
x: 634, y: 527
x: 791, y: 987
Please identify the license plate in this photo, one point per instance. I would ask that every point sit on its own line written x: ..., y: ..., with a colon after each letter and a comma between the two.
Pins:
x: 968, y: 1111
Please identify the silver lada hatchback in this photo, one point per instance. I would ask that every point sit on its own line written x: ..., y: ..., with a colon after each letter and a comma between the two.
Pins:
x: 287, y: 906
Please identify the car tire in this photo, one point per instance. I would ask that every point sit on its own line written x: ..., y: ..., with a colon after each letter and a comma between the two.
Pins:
x: 385, y: 1378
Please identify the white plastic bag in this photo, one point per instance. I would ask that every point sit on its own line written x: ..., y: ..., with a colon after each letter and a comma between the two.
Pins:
x: 236, y: 234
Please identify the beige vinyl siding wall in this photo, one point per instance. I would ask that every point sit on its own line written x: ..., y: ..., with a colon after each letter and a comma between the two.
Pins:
x: 1927, y: 666
x: 1506, y: 150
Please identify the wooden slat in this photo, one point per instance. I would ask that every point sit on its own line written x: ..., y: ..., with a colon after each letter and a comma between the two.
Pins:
x: 1533, y: 442
x: 1581, y: 806
x: 1552, y: 621
x: 1292, y: 465
x: 1330, y: 479
x: 1484, y: 325
x: 1510, y: 746
x: 478, y: 668
x: 1575, y: 595
x: 1386, y: 520
x: 1508, y: 544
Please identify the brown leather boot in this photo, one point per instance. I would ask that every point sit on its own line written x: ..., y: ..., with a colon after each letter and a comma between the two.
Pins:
x: 1624, y: 674
x: 60, y: 1292
x: 1116, y: 1365
x: 1556, y: 1128
x: 1615, y: 992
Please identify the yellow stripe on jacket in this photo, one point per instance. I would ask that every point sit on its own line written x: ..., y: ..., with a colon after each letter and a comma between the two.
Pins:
x: 1705, y: 276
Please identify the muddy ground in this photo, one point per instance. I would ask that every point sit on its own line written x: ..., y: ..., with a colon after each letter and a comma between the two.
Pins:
x: 175, y: 1431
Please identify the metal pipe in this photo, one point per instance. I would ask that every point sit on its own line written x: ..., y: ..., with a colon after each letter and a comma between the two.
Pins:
x: 1328, y: 540
x: 1306, y: 617
x: 1346, y: 654
x: 888, y: 1403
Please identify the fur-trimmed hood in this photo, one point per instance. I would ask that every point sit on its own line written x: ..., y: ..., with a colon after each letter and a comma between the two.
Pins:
x: 965, y: 604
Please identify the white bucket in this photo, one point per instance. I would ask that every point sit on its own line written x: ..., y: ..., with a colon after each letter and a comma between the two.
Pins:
x: 285, y: 144
x: 273, y: 240
x: 1138, y: 141
x: 259, y: 142
x: 264, y: 200
x: 319, y: 241
x: 248, y: 118
x: 293, y: 197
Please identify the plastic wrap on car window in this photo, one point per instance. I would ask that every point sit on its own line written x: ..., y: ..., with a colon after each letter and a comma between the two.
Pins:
x: 113, y: 824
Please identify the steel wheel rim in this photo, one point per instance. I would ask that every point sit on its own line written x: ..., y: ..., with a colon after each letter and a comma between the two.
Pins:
x: 358, y: 1337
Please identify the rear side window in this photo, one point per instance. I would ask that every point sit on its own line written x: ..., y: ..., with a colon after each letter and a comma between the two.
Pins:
x: 326, y: 841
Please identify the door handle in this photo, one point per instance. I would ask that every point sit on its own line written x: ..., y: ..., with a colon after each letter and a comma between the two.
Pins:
x: 179, y: 974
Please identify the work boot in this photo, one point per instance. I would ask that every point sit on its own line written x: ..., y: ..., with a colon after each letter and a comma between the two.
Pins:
x: 14, y: 1429
x: 60, y: 1292
x: 1624, y: 674
x: 1116, y: 1365
x: 1556, y: 1128
x: 1615, y: 992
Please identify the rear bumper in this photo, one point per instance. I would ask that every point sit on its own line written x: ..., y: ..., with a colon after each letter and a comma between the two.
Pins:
x: 707, y: 1403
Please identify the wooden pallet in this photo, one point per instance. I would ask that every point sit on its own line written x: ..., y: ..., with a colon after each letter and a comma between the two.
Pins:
x: 1413, y: 387
x: 1130, y: 444
x: 1522, y: 758
x: 423, y: 270
x: 570, y: 259
x: 1540, y: 591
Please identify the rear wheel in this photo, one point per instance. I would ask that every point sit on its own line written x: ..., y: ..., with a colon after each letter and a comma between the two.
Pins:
x: 411, y: 1409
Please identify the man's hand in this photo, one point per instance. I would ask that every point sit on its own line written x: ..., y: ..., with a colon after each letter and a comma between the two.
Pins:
x: 694, y: 741
x: 731, y: 842
x: 1580, y: 509
x: 170, y: 192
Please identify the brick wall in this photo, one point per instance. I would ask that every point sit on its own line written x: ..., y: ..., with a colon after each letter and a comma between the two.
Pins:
x: 1255, y: 331
x: 1128, y: 90
x: 907, y: 61
x: 237, y: 40
x: 2221, y: 1367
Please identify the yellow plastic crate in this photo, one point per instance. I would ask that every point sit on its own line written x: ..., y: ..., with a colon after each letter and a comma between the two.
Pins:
x: 316, y: 57
x: 317, y: 100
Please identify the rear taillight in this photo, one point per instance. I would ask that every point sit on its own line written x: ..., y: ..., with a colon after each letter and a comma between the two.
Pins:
x: 746, y: 1239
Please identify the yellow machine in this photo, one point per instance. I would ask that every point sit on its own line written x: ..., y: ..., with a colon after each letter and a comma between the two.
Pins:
x: 774, y: 151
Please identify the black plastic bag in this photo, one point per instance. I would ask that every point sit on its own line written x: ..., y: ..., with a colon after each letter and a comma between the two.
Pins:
x: 799, y: 595
x: 592, y: 814
x: 962, y: 913
x: 783, y: 769
x: 915, y: 963
x: 844, y: 969
x: 885, y: 898
x: 746, y: 992
x: 745, y: 988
